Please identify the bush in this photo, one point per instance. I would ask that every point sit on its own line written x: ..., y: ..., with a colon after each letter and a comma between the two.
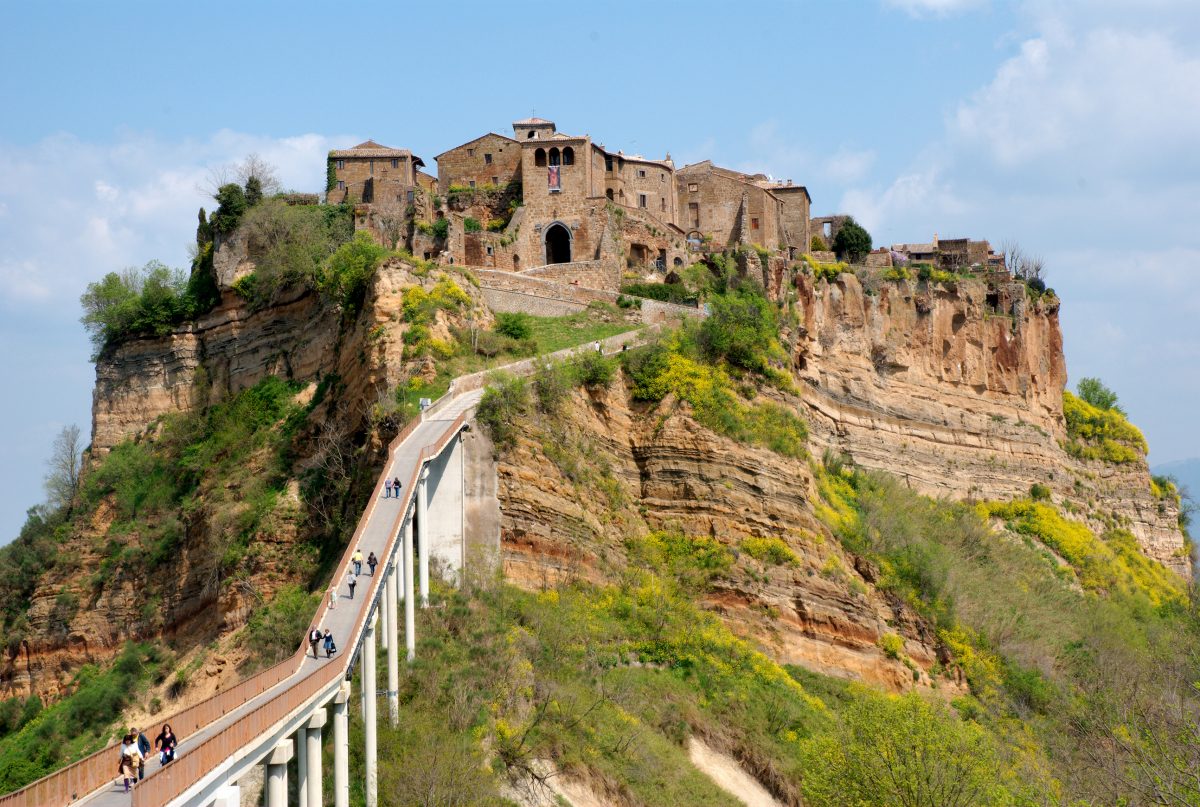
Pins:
x: 823, y: 271
x: 742, y: 330
x: 897, y: 273
x: 275, y: 629
x: 1101, y: 434
x: 592, y: 369
x: 891, y: 645
x: 770, y: 550
x: 516, y: 325
x: 817, y: 244
x: 440, y: 228
x: 666, y: 292
x: 496, y: 225
x: 852, y: 242
x: 146, y: 301
x: 503, y: 402
x: 551, y: 385
x: 231, y: 206
x: 1039, y: 492
x: 349, y: 270
x: 472, y: 225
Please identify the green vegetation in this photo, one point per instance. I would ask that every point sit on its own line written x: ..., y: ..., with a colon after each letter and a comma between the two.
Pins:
x: 515, y: 325
x: 1100, y: 434
x: 1096, y: 393
x: 676, y: 293
x: 852, y: 242
x: 349, y: 270
x: 817, y: 244
x: 770, y: 550
x: 149, y: 301
x: 896, y: 273
x: 36, y: 741
x: 472, y: 225
x: 824, y: 271
x: 440, y: 228
x: 275, y: 631
x: 1048, y: 623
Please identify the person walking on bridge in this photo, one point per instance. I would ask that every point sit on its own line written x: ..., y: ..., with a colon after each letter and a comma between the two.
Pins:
x: 357, y: 560
x: 143, y: 746
x: 129, y: 760
x: 353, y: 581
x: 165, y: 742
x: 314, y: 637
x: 387, y: 488
x: 372, y: 562
x: 330, y: 647
x: 396, y: 486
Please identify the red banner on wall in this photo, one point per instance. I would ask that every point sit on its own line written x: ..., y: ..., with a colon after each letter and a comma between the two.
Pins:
x: 554, y: 179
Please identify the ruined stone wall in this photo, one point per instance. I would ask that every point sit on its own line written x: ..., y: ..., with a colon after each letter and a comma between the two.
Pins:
x: 469, y: 164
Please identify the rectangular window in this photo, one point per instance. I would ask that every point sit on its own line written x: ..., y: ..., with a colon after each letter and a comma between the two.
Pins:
x: 489, y: 250
x: 470, y: 152
x: 487, y: 159
x: 694, y: 213
x: 410, y: 196
x: 395, y: 163
x: 664, y: 203
x: 753, y: 224
x: 341, y: 185
x: 341, y: 165
x: 472, y: 184
x: 693, y: 187
x: 642, y: 173
x: 608, y: 163
x: 641, y: 200
x: 372, y: 168
x: 496, y: 181
x: 662, y: 177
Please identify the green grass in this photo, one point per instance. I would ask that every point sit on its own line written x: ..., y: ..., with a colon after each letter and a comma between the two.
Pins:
x: 82, y: 722
x: 556, y: 333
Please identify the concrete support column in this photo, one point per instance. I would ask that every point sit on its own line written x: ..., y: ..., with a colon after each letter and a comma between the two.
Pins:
x: 410, y: 616
x: 393, y: 647
x: 313, y: 741
x: 301, y: 740
x: 277, y: 762
x: 423, y: 535
x: 369, y: 685
x: 341, y: 748
x: 383, y: 615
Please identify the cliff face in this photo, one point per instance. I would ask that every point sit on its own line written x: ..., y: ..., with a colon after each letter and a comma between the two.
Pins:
x: 958, y: 390
x: 660, y: 470
x: 230, y: 349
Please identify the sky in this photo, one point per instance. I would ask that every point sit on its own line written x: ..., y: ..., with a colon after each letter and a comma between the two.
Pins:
x: 1071, y: 127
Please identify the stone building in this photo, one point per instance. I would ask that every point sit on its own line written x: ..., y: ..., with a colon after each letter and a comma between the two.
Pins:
x: 722, y: 208
x: 951, y: 254
x: 491, y: 159
x: 373, y: 174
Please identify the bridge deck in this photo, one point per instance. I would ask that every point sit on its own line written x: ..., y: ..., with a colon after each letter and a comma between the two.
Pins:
x: 340, y: 620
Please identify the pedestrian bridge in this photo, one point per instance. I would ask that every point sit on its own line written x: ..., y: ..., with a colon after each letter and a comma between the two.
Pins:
x: 281, y: 713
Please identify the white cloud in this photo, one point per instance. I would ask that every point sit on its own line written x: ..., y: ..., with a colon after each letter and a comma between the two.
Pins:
x: 1082, y: 145
x: 848, y: 165
x: 940, y: 8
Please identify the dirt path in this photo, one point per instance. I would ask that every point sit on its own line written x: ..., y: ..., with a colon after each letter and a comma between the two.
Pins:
x: 728, y: 775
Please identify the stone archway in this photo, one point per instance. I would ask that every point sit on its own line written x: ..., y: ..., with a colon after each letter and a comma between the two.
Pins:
x: 558, y: 243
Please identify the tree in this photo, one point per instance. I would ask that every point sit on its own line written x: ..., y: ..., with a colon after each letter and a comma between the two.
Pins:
x: 254, y: 191
x: 135, y: 301
x: 903, y: 751
x: 231, y: 206
x: 261, y: 172
x: 1094, y: 391
x: 1023, y: 265
x: 64, y: 468
x: 852, y: 242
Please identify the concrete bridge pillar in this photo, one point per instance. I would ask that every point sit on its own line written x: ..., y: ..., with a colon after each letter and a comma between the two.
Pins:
x: 301, y: 742
x: 370, y: 697
x: 341, y: 748
x: 312, y: 739
x: 391, y: 639
x: 423, y: 535
x: 410, y: 600
x: 277, y: 764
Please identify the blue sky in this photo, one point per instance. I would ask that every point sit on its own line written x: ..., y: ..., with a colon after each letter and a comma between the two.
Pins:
x: 1070, y: 126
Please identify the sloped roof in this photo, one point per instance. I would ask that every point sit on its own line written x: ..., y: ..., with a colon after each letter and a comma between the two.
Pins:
x: 476, y: 140
x: 532, y: 122
x: 369, y: 148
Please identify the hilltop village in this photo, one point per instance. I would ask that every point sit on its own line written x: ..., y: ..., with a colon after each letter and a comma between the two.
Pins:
x: 564, y: 208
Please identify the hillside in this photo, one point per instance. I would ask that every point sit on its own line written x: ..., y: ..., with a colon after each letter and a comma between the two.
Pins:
x: 847, y: 510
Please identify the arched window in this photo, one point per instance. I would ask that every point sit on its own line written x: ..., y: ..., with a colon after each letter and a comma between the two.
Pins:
x: 539, y: 158
x: 609, y: 194
x: 532, y: 134
x: 568, y: 156
x: 554, y: 158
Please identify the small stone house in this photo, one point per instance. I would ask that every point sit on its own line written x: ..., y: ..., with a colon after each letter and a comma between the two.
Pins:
x: 373, y: 174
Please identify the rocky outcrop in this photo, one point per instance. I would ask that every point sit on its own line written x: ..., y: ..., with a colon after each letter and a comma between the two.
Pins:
x: 957, y: 388
x: 665, y: 471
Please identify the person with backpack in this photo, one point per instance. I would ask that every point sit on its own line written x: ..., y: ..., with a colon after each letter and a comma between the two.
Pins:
x: 353, y: 583
x: 372, y: 562
x: 357, y: 560
x: 165, y: 744
x: 314, y: 637
x: 130, y: 757
x: 330, y: 647
x: 143, y: 747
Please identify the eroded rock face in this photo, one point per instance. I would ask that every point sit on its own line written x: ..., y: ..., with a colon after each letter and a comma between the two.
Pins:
x: 668, y: 472
x: 957, y: 388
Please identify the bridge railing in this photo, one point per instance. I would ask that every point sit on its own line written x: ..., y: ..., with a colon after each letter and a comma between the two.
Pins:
x: 171, y: 782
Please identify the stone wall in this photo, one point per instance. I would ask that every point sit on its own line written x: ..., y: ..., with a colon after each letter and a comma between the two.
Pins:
x: 468, y: 165
x: 373, y: 179
x: 727, y: 209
